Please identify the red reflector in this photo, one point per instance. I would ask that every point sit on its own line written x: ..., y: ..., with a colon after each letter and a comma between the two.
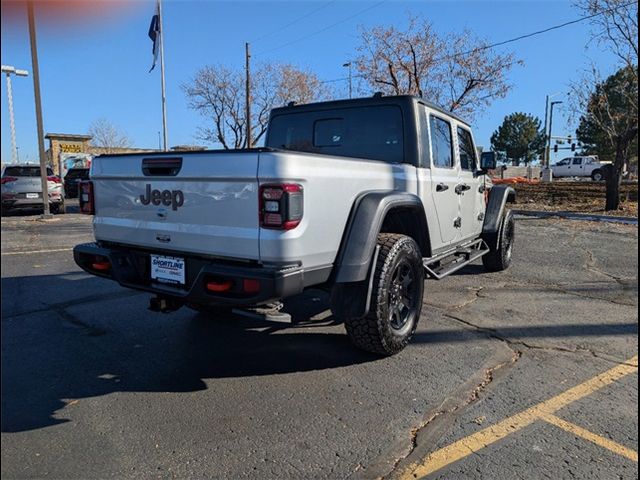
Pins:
x: 101, y: 266
x: 290, y: 224
x: 250, y: 285
x: 219, y: 286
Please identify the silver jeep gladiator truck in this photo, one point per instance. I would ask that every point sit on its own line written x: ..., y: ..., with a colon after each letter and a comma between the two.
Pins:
x: 363, y: 197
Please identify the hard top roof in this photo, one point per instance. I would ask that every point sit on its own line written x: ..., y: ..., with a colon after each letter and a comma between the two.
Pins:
x: 373, y: 100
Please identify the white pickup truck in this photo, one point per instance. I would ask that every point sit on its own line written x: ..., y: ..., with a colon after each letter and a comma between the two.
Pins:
x: 363, y: 197
x: 580, y: 166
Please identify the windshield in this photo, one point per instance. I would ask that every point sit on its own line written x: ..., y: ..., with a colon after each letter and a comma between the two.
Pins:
x: 374, y: 133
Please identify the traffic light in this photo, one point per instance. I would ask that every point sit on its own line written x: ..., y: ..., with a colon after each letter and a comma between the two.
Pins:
x: 573, y: 147
x: 555, y: 148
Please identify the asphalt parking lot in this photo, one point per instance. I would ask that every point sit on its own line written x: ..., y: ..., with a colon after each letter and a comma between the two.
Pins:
x: 529, y: 373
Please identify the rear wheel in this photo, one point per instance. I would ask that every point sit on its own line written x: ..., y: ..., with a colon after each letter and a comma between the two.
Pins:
x: 396, y: 299
x: 58, y: 208
x: 597, y: 175
x: 499, y: 256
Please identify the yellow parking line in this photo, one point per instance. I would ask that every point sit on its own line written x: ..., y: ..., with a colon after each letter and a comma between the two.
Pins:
x: 592, y: 437
x: 473, y: 443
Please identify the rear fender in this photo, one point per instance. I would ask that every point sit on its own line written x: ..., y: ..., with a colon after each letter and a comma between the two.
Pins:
x: 367, y: 221
x: 499, y: 195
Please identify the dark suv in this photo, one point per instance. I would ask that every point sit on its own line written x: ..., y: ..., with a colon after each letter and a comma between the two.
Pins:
x: 71, y: 180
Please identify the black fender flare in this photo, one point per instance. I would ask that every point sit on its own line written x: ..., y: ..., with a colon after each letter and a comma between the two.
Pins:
x: 361, y: 233
x: 499, y: 195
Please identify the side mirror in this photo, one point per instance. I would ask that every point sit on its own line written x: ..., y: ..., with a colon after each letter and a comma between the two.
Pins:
x: 488, y: 161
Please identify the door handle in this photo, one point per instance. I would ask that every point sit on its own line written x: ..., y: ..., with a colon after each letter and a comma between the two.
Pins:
x: 463, y: 187
x: 441, y: 187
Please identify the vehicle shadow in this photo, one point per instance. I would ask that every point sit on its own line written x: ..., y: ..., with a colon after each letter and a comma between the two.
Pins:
x: 55, y: 354
x: 98, y: 340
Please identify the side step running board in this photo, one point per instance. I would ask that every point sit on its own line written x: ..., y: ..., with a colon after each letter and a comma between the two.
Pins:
x: 439, y: 266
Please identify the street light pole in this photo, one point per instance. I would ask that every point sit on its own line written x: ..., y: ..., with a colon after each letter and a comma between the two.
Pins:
x: 9, y: 70
x: 551, y: 128
x: 545, y: 158
x: 348, y: 64
x: 36, y: 91
x: 547, y: 130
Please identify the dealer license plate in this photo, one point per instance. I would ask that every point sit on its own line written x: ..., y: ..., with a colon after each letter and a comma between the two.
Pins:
x: 31, y: 195
x: 167, y: 269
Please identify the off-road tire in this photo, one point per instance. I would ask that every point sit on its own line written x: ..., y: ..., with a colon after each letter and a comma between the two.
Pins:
x: 499, y: 257
x: 58, y: 208
x: 597, y: 175
x: 385, y: 331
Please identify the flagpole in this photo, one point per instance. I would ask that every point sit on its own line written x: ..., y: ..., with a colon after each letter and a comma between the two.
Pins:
x: 164, y: 96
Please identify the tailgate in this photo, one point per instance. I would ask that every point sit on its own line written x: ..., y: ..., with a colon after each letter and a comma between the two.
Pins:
x: 199, y: 202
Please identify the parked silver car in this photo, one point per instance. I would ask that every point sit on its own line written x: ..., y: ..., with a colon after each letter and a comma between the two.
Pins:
x: 22, y: 188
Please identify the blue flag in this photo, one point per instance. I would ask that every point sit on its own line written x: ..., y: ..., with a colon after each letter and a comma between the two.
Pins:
x: 154, y: 35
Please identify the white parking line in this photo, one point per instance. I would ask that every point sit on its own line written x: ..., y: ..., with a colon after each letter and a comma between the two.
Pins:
x: 27, y: 252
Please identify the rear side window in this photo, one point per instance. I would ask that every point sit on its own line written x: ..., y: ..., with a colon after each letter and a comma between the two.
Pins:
x: 369, y: 132
x: 25, y: 172
x: 467, y: 150
x: 577, y: 161
x: 441, y: 144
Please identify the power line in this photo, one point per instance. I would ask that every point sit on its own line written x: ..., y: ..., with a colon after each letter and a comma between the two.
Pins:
x: 360, y: 12
x: 533, y: 34
x: 293, y: 22
x: 511, y: 40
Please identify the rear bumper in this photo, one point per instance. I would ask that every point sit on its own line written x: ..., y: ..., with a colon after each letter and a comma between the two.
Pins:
x: 131, y: 268
x: 29, y: 202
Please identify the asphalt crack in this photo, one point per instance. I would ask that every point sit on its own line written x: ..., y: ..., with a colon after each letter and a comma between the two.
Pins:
x: 494, y: 334
x: 467, y: 394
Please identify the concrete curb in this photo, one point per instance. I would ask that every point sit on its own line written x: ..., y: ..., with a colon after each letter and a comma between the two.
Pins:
x: 578, y: 216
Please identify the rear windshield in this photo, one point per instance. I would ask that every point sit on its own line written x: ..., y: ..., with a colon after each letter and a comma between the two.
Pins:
x: 78, y: 173
x: 25, y: 171
x: 371, y: 132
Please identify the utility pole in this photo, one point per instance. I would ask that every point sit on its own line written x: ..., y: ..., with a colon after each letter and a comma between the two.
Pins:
x: 164, y: 95
x: 36, y: 91
x: 247, y: 56
x: 9, y: 70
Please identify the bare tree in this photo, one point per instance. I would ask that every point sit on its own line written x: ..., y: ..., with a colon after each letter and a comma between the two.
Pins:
x: 107, y: 136
x: 218, y: 94
x: 615, y: 24
x: 456, y: 71
x: 608, y: 109
x: 609, y: 122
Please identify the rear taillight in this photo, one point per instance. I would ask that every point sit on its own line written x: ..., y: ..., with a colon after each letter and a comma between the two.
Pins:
x: 86, y: 201
x: 54, y: 179
x: 281, y: 206
x: 8, y: 179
